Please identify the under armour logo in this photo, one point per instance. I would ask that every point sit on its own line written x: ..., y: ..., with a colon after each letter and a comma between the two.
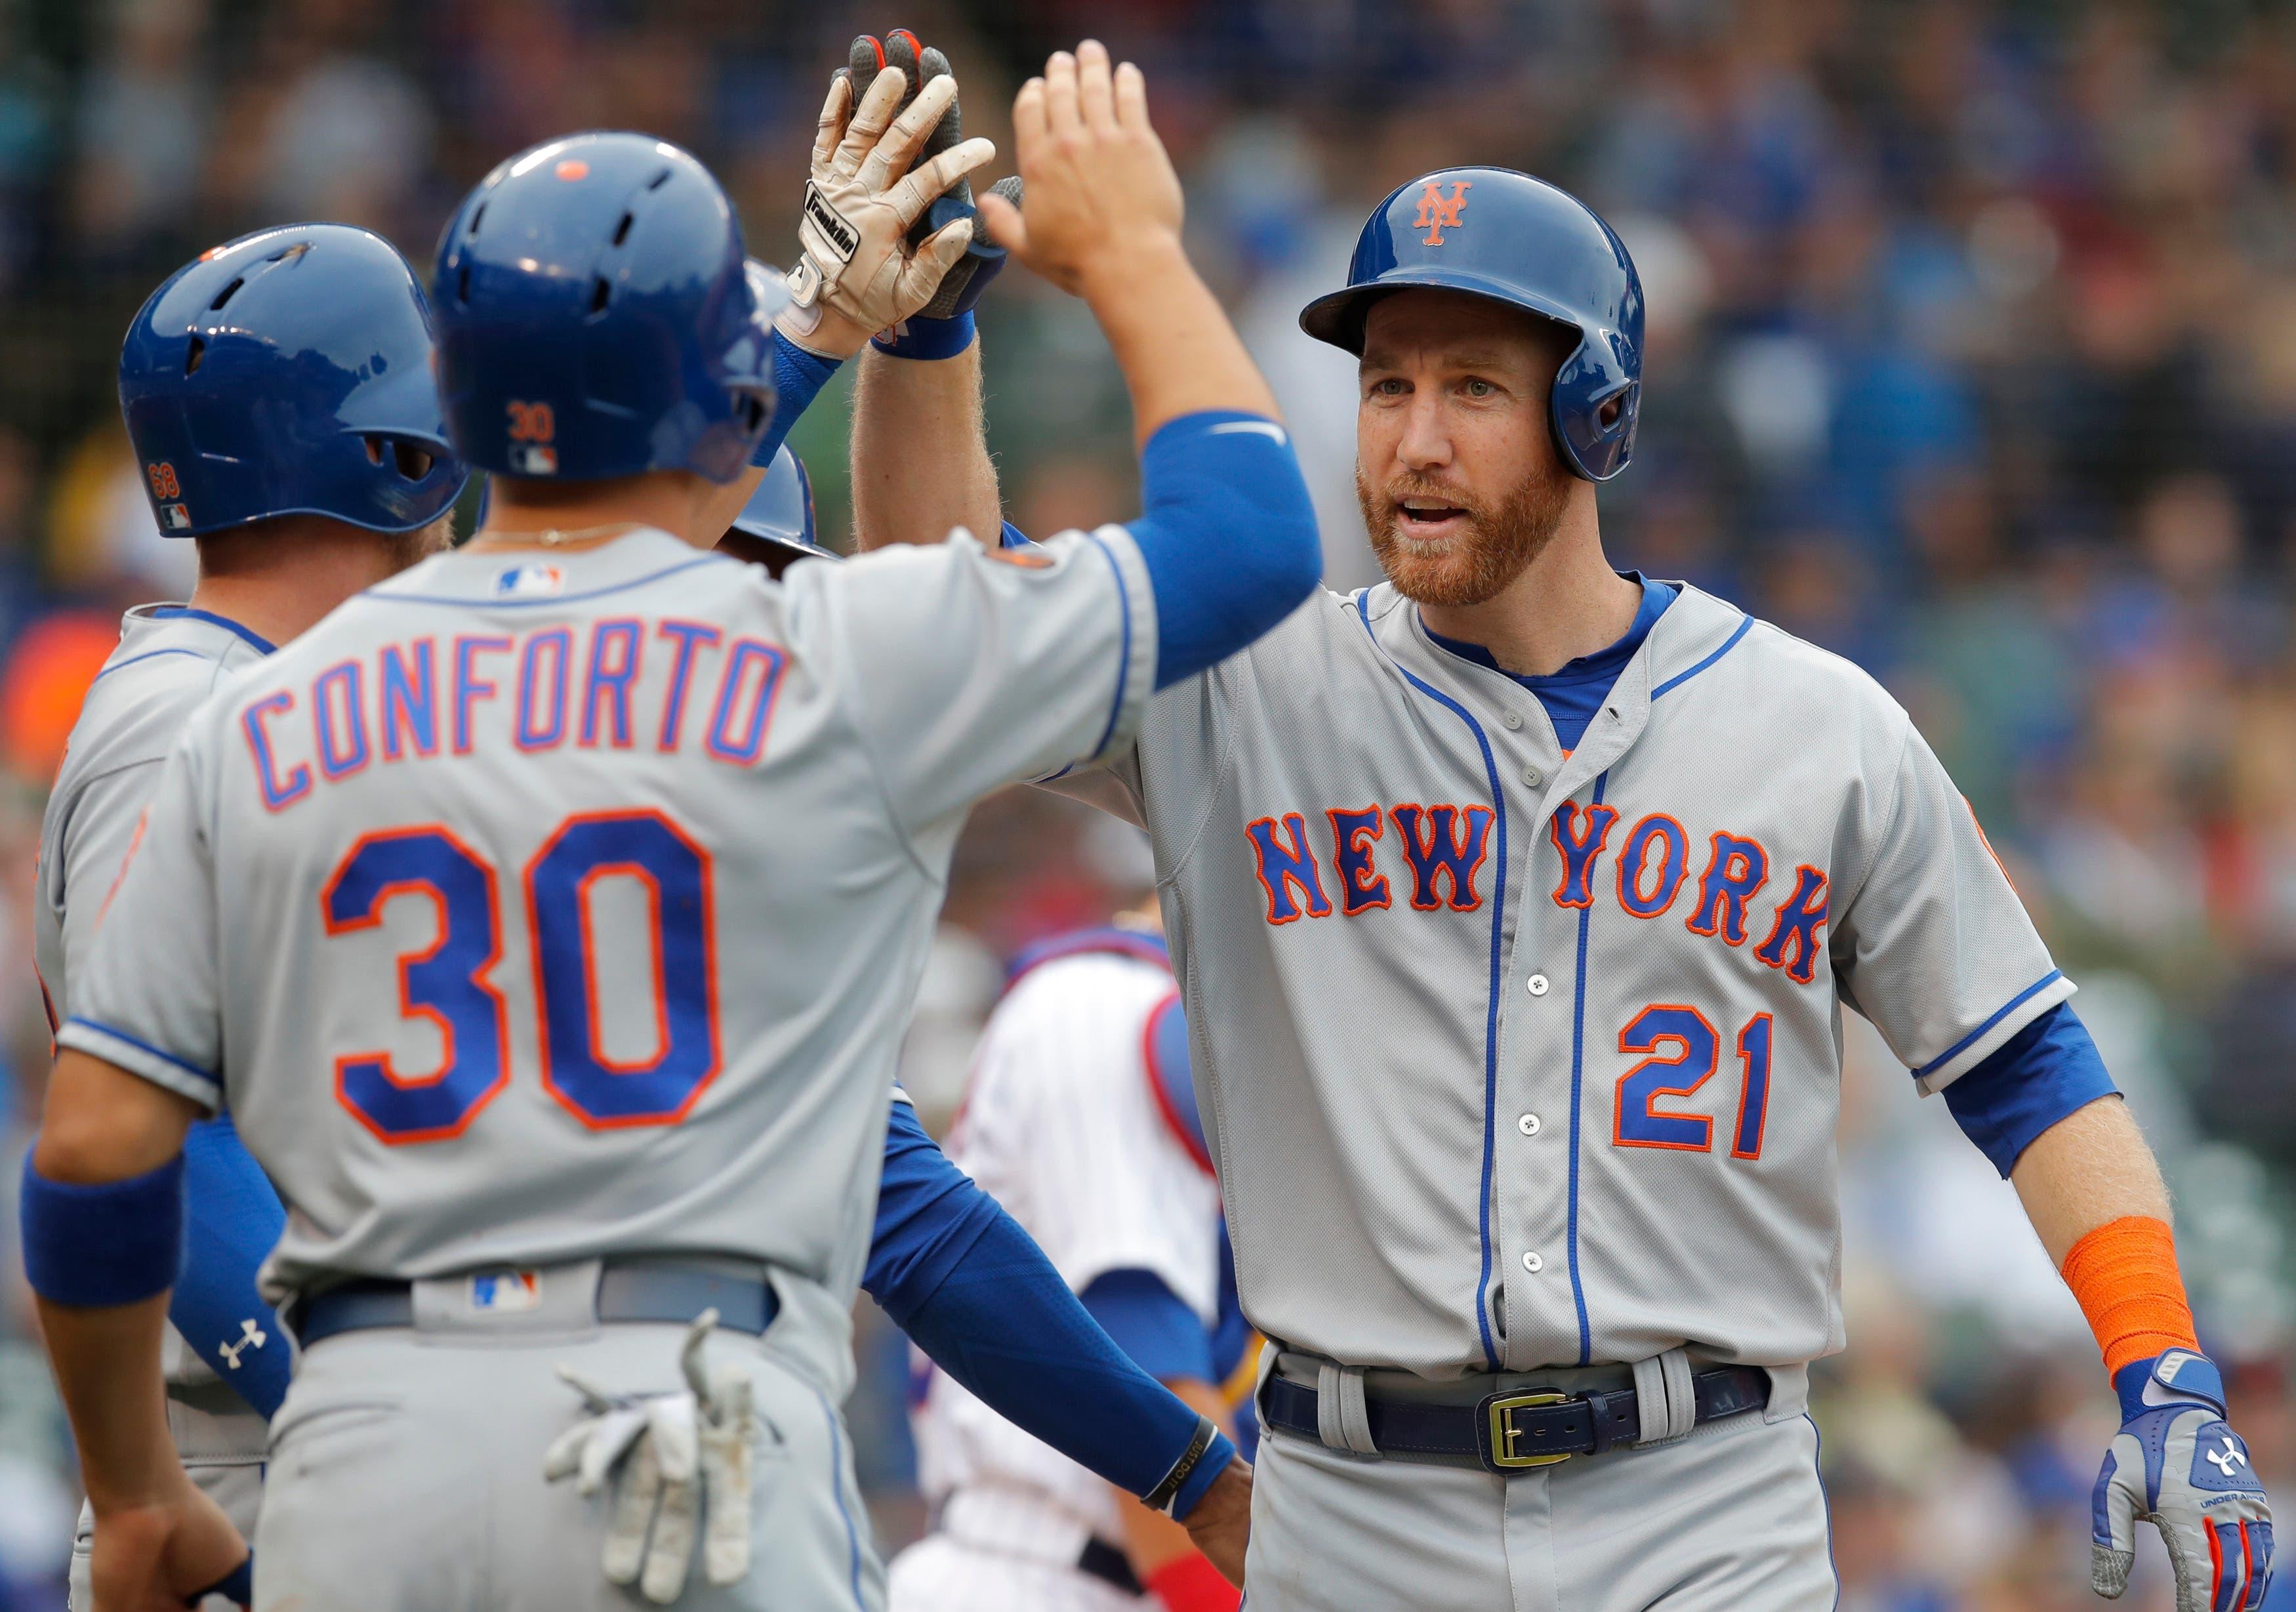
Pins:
x: 2226, y: 1460
x: 1437, y: 213
x: 252, y: 1337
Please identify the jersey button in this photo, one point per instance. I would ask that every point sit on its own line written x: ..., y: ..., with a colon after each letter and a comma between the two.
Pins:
x: 1533, y: 777
x: 1535, y: 985
x: 1511, y: 719
x: 1533, y: 1263
x: 1528, y: 1125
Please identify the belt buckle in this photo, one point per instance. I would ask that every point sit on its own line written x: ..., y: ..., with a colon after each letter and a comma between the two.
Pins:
x: 1495, y: 1427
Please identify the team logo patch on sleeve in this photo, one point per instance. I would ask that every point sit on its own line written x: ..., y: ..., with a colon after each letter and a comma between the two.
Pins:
x: 530, y: 582
x: 506, y: 1292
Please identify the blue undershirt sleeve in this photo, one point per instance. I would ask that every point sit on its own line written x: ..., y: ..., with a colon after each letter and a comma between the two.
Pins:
x: 970, y: 1288
x: 798, y: 377
x: 1149, y: 1323
x: 2046, y: 1071
x: 232, y: 1218
x: 1228, y: 536
x: 929, y: 1212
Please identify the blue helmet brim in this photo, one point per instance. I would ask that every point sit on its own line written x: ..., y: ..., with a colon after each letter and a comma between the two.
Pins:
x: 1339, y: 316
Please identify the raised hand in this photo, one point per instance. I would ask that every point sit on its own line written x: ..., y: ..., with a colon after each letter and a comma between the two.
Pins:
x: 1102, y: 192
x: 867, y: 190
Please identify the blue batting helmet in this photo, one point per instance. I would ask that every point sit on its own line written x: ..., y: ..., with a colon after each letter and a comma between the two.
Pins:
x: 779, y: 516
x: 287, y: 372
x: 597, y: 318
x: 1491, y: 232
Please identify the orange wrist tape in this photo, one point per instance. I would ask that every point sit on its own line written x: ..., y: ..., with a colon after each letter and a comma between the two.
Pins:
x: 2124, y: 1273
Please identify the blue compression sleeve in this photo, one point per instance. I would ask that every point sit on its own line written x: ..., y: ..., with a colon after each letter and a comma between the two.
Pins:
x: 2037, y: 1077
x: 234, y: 1218
x: 104, y: 1244
x: 960, y: 1277
x: 929, y: 1212
x: 1149, y: 1323
x: 799, y: 377
x: 1228, y: 535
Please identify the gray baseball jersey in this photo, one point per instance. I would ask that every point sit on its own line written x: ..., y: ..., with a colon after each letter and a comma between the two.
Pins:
x: 539, y: 908
x: 1517, y: 1057
x: 170, y: 658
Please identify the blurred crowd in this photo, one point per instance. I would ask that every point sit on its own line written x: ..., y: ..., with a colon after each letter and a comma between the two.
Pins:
x: 1972, y: 356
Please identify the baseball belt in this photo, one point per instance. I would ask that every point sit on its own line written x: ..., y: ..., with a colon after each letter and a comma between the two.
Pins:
x: 629, y: 1290
x: 1515, y: 1429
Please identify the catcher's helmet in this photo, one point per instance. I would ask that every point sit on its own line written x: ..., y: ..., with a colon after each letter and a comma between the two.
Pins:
x: 597, y: 318
x: 775, y: 526
x: 287, y: 372
x: 1491, y: 232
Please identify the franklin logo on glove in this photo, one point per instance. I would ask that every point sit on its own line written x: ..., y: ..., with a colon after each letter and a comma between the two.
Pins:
x: 834, y: 232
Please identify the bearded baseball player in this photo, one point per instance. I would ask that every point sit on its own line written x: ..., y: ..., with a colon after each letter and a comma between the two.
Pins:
x: 278, y: 400
x: 553, y: 1131
x: 1080, y: 1119
x: 1515, y: 902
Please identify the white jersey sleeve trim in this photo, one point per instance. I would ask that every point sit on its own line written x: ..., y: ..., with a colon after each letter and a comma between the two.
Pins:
x: 161, y: 1068
x: 1989, y: 1037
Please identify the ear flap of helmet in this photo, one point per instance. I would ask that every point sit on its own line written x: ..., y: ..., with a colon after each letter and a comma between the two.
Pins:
x: 1596, y: 404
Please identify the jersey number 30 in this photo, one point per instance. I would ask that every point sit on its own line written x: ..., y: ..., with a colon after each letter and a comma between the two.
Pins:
x: 448, y: 984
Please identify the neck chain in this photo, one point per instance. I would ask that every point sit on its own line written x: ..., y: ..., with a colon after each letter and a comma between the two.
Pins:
x: 559, y: 538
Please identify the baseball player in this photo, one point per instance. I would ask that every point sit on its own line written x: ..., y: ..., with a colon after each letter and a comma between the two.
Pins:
x: 280, y: 571
x: 1079, y: 1118
x: 306, y: 468
x: 550, y: 1131
x: 1514, y: 903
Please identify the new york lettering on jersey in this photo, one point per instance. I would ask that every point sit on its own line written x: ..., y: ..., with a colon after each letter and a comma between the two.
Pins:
x: 1442, y: 850
x: 1609, y: 977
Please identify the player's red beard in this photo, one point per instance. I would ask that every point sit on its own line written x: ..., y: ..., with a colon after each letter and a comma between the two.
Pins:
x: 409, y: 547
x: 1500, y: 542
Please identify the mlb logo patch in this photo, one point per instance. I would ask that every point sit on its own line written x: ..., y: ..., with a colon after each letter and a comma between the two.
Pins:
x: 533, y: 459
x: 175, y: 517
x: 530, y: 582
x: 506, y: 1292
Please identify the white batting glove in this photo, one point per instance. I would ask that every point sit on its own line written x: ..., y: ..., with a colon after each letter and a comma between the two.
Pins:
x: 863, y: 198
x: 682, y: 1458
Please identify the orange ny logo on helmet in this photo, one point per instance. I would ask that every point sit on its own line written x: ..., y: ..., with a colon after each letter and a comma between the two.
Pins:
x: 1437, y: 214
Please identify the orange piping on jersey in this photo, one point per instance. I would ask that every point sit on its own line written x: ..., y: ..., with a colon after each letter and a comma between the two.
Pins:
x: 2125, y: 1275
x: 103, y: 911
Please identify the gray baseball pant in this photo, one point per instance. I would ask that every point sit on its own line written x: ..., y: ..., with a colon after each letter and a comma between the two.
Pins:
x: 407, y: 1475
x: 1729, y: 1518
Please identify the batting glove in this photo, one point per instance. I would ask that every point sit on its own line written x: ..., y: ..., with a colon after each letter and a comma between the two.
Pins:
x: 2176, y: 1463
x: 983, y: 258
x: 682, y: 1457
x: 864, y: 197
